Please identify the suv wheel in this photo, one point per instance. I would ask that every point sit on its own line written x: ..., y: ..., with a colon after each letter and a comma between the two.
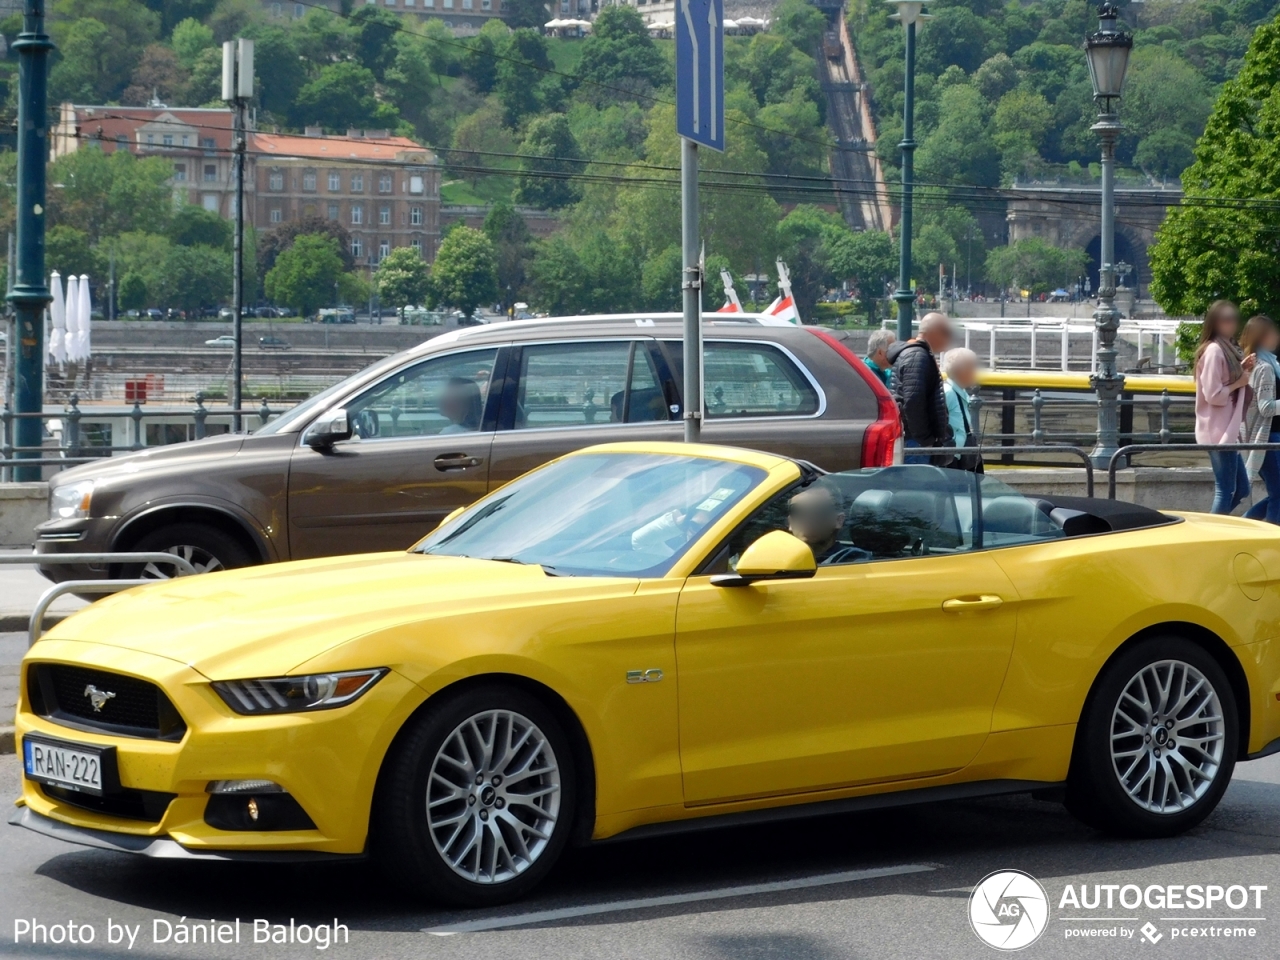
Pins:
x: 477, y: 797
x: 1157, y: 743
x: 206, y: 548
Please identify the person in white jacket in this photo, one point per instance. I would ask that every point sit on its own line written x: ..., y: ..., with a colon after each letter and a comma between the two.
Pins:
x: 1261, y: 338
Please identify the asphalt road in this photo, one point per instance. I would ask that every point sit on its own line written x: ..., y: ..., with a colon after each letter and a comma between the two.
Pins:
x: 888, y: 884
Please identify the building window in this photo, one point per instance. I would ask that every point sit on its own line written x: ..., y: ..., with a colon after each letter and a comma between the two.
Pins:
x: 357, y: 213
x: 121, y: 140
x: 416, y: 243
x: 275, y: 9
x: 210, y: 172
x: 429, y: 4
x: 448, y: 5
x: 186, y: 139
x: 486, y: 4
x: 208, y: 143
x: 335, y: 181
x: 276, y: 180
x: 408, y: 3
x: 466, y: 4
x: 210, y: 202
x: 384, y: 248
x: 180, y: 171
x: 415, y: 184
x: 357, y: 183
x: 308, y: 180
x: 299, y: 11
x: 333, y: 211
x: 415, y: 216
x: 384, y: 183
x: 391, y: 3
x: 275, y: 215
x: 151, y: 138
x: 357, y: 247
x: 384, y: 216
x: 167, y: 139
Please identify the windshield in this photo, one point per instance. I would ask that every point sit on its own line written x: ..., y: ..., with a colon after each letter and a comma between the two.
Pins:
x: 597, y: 515
x: 296, y: 415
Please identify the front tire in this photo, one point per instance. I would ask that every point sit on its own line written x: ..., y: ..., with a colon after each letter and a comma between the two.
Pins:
x: 1157, y: 742
x: 477, y: 797
x: 206, y: 548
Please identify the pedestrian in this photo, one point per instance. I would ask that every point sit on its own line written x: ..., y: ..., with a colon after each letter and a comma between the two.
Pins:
x: 960, y: 365
x: 917, y: 387
x: 877, y: 358
x: 1222, y: 396
x: 1261, y: 338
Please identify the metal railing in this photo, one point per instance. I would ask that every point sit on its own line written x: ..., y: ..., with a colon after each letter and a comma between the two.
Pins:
x: 1121, y: 457
x: 72, y: 448
x: 1008, y: 404
x: 1002, y: 452
x: 35, y: 625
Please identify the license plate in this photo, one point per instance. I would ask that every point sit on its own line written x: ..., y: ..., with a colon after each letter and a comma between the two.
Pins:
x: 76, y: 766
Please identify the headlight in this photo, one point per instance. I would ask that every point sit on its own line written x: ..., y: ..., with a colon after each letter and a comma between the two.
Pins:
x: 321, y: 691
x: 70, y: 501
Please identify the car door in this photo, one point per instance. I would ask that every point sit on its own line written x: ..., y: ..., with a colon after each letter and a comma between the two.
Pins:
x: 419, y: 449
x: 878, y: 670
x: 565, y: 395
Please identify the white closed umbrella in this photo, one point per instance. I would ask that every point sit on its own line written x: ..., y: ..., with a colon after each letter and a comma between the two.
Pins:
x: 58, y: 320
x: 72, y: 317
x: 86, y: 317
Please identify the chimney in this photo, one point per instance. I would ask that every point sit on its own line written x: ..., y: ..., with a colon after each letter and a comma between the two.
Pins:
x: 354, y: 134
x: 313, y: 131
x: 377, y: 134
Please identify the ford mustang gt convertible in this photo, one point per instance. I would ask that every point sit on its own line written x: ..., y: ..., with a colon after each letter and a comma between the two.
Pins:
x: 651, y: 637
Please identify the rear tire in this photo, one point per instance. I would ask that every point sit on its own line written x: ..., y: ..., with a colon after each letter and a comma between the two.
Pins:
x: 477, y: 797
x: 1157, y: 741
x: 207, y: 548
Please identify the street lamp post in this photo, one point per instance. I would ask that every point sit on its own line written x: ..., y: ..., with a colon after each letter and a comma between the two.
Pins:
x: 910, y: 13
x: 237, y: 89
x: 1108, y: 53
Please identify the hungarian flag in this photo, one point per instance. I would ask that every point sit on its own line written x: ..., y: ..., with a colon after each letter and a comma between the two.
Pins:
x: 782, y: 311
x: 730, y: 307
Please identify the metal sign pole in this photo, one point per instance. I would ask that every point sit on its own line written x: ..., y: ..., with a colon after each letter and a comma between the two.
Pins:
x: 692, y: 290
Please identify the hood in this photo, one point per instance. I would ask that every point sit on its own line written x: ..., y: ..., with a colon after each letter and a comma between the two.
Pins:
x: 210, y: 448
x: 895, y: 349
x: 266, y: 621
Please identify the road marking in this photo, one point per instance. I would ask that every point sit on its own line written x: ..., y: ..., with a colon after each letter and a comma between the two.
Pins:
x: 644, y: 903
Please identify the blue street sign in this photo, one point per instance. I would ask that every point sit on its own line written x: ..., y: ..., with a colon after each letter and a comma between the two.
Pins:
x: 700, y: 72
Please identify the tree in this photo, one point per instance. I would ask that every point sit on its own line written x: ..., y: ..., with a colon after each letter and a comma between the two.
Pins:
x: 282, y: 237
x: 524, y: 13
x: 557, y: 278
x: 280, y: 69
x: 107, y: 194
x: 464, y: 275
x: 305, y: 275
x: 373, y: 34
x: 157, y: 75
x: 800, y: 22
x: 480, y: 62
x: 341, y: 97
x: 479, y: 142
x: 133, y: 292
x: 546, y: 183
x: 195, y: 277
x: 99, y: 42
x: 1033, y: 265
x: 190, y: 39
x: 620, y: 56
x: 521, y: 72
x: 1164, y: 154
x: 67, y: 250
x: 867, y: 258
x: 512, y: 244
x: 403, y: 279
x: 805, y: 238
x: 192, y: 226
x: 1222, y: 241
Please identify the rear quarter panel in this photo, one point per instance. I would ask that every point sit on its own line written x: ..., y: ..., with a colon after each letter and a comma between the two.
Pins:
x: 1081, y: 599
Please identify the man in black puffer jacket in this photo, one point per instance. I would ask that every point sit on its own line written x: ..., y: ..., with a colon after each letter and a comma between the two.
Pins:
x: 917, y: 386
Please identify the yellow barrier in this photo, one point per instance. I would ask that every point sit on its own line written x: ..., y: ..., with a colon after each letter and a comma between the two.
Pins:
x: 1147, y: 383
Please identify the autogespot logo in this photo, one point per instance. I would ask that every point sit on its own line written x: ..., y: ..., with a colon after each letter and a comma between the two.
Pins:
x: 1009, y: 910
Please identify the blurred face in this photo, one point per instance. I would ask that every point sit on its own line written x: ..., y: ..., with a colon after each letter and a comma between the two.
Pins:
x: 1271, y: 342
x: 1228, y: 324
x: 964, y: 374
x: 938, y: 337
x: 813, y: 517
x: 455, y: 403
x: 881, y: 356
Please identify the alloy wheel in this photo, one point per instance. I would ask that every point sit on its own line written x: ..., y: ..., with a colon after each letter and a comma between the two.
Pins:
x: 198, y: 557
x: 1167, y: 734
x: 493, y: 796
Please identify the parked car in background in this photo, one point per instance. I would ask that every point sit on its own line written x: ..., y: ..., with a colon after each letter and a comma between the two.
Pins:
x: 336, y: 315
x: 154, y: 314
x: 226, y: 340
x: 376, y: 461
x: 273, y: 343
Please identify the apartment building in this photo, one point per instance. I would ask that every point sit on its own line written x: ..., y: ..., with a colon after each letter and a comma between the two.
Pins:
x: 463, y: 17
x: 384, y: 190
x: 198, y: 141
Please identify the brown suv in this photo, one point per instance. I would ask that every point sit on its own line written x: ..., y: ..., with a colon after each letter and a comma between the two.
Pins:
x: 376, y: 461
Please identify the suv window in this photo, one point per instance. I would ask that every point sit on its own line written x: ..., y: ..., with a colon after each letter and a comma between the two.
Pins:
x: 579, y: 384
x: 438, y: 396
x: 743, y: 379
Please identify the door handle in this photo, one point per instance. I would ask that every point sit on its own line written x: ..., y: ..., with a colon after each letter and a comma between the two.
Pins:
x: 456, y: 461
x: 970, y: 604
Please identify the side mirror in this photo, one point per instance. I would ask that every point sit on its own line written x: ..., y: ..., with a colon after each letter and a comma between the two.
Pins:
x: 328, y: 429
x: 775, y: 556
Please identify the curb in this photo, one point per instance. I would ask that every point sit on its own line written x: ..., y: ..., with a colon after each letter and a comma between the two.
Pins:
x: 6, y: 738
x: 16, y: 623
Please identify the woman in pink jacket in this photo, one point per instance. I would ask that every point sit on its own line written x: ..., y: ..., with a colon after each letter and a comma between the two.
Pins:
x: 1222, y: 396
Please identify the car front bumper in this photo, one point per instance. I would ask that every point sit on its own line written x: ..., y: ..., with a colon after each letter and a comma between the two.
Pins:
x: 327, y: 761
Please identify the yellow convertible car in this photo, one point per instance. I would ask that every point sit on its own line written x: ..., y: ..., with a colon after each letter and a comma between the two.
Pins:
x: 651, y: 637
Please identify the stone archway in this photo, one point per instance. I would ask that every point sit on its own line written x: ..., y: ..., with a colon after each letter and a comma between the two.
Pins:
x: 1127, y: 251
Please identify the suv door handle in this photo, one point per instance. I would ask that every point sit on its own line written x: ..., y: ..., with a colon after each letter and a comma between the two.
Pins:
x: 971, y: 604
x: 456, y: 461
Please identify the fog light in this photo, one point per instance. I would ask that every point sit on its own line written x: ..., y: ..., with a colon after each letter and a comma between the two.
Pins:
x: 245, y: 786
x: 253, y: 809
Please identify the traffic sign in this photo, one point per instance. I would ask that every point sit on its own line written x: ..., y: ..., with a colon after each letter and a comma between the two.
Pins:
x: 700, y: 72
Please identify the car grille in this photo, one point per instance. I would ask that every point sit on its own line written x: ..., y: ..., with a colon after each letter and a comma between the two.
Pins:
x: 148, y: 805
x: 60, y: 692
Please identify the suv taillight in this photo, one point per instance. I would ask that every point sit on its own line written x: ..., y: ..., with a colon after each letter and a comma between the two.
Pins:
x: 882, y: 442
